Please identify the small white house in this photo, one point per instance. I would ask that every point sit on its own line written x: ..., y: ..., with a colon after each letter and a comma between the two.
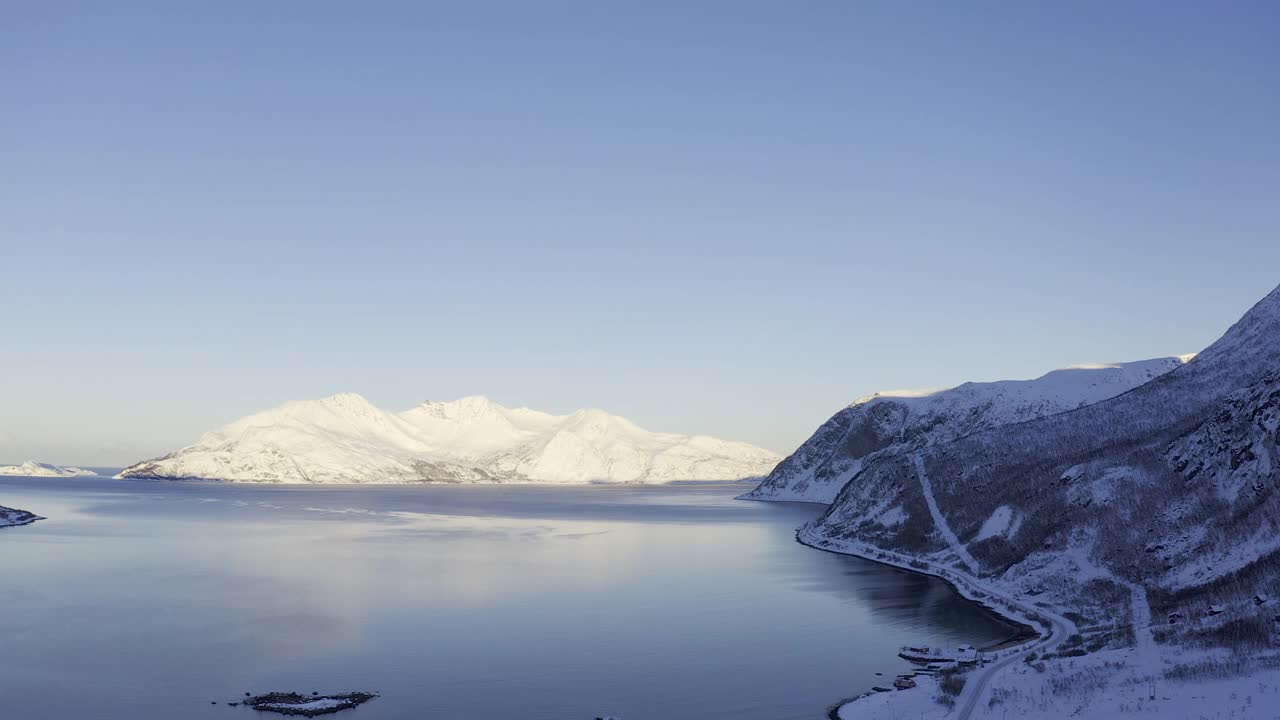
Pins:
x: 966, y: 654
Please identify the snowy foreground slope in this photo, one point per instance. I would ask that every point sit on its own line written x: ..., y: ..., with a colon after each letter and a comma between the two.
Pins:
x: 31, y: 468
x: 1147, y: 524
x: 898, y: 422
x: 345, y: 439
x: 10, y: 517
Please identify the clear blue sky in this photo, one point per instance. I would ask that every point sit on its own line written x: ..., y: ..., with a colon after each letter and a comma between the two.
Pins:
x: 728, y: 218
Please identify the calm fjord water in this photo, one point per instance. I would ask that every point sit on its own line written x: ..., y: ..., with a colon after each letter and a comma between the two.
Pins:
x: 148, y: 600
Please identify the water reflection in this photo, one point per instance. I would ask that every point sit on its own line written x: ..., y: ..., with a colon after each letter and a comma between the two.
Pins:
x: 138, y: 600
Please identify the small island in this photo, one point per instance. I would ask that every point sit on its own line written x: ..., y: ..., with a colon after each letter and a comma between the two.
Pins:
x: 292, y: 703
x: 10, y: 517
x: 32, y: 468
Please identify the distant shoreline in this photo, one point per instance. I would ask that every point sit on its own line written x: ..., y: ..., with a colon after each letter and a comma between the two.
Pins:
x: 422, y: 483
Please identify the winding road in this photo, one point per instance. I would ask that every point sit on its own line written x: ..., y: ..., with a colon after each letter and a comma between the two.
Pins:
x: 979, y: 679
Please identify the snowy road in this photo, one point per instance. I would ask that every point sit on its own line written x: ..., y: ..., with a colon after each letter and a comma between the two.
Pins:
x: 976, y: 687
x: 1061, y: 629
x: 1141, y: 618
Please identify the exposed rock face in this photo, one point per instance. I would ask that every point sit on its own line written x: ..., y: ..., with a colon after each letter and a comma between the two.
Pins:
x: 1236, y: 450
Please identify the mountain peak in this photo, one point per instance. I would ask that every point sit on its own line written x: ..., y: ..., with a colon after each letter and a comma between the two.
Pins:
x: 345, y: 405
x: 599, y: 422
x: 468, y: 407
x: 476, y: 404
x: 344, y: 399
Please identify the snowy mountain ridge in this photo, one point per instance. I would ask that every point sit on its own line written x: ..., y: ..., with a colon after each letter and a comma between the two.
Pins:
x: 31, y: 468
x: 346, y: 439
x: 898, y: 421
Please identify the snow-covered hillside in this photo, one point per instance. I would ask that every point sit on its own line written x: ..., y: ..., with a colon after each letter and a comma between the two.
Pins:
x: 1152, y: 519
x: 10, y: 517
x: 34, y: 469
x: 345, y: 439
x: 897, y: 422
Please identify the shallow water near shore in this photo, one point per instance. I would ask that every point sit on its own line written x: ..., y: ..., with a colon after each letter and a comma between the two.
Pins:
x: 147, y: 600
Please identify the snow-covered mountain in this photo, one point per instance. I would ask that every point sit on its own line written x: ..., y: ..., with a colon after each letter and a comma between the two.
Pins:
x: 10, y: 517
x: 345, y: 439
x: 1157, y: 510
x: 31, y: 468
x: 902, y: 421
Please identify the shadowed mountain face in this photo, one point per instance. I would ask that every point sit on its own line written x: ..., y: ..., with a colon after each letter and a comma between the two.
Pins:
x: 1170, y: 486
x: 345, y: 439
x: 899, y: 422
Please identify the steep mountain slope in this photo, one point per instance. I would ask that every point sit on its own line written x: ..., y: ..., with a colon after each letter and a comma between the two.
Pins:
x: 344, y: 438
x: 1160, y: 501
x: 31, y: 468
x: 902, y: 421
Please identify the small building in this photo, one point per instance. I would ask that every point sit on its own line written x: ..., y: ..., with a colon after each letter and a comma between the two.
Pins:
x: 904, y: 683
x: 1261, y: 598
x: 1217, y: 609
x: 924, y: 654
